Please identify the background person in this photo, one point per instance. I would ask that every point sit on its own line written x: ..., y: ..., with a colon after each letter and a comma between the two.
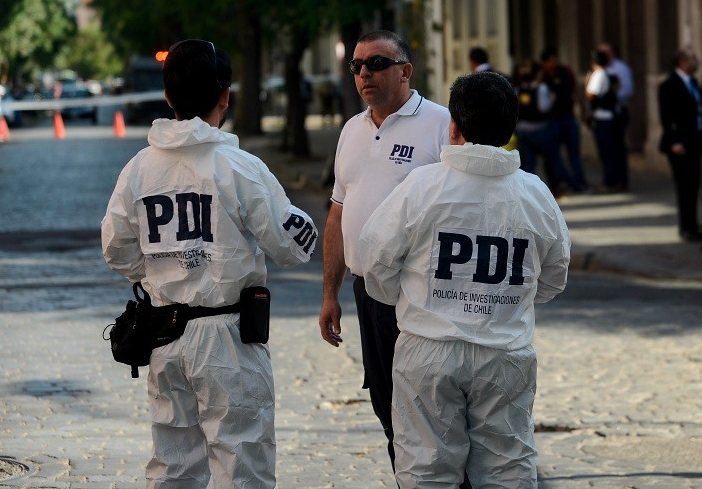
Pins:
x: 399, y: 131
x: 536, y: 135
x: 680, y: 109
x: 601, y: 90
x: 190, y: 218
x: 478, y: 60
x: 464, y: 248
x: 624, y: 74
x: 562, y: 82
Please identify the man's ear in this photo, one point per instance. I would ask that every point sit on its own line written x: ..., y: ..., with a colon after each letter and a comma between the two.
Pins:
x: 224, y: 98
x: 455, y: 136
x: 407, y: 70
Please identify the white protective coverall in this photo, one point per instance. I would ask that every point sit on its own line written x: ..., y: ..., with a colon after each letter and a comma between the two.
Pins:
x: 464, y: 248
x: 191, y: 217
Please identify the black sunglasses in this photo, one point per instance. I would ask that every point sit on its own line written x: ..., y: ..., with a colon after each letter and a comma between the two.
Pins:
x: 374, y: 63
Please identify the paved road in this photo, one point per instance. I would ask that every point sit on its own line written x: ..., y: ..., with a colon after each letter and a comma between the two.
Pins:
x: 620, y: 357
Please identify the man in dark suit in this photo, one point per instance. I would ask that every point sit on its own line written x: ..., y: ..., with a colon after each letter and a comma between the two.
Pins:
x: 680, y: 108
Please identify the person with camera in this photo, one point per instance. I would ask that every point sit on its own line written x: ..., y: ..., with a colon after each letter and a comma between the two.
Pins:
x: 192, y: 218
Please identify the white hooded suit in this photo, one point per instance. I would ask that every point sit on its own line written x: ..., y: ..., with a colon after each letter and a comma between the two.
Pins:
x: 191, y: 218
x: 464, y: 249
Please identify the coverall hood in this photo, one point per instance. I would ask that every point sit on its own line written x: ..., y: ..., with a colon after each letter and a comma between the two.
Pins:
x: 478, y: 159
x: 170, y: 133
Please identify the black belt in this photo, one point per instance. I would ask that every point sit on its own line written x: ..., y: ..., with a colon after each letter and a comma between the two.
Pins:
x: 202, y: 311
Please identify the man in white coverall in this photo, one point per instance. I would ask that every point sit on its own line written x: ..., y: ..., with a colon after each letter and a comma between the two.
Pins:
x: 377, y: 148
x: 464, y: 249
x: 191, y: 218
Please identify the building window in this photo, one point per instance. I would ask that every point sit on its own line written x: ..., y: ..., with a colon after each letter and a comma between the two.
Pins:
x: 491, y: 18
x: 457, y: 20
x: 473, y: 19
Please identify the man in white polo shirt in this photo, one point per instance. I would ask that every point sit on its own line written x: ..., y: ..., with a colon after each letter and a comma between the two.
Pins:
x: 399, y: 131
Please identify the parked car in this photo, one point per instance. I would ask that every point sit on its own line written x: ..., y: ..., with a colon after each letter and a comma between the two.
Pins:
x: 76, y: 91
x: 12, y: 117
x: 145, y: 74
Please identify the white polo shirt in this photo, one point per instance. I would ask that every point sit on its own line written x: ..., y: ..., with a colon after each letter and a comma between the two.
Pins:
x: 371, y: 161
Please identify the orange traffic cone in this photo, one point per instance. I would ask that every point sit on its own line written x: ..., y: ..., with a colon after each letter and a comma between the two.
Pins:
x: 4, y: 130
x: 119, y: 124
x: 59, y: 130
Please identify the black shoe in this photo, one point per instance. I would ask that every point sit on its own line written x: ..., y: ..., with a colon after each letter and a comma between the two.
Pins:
x: 691, y: 236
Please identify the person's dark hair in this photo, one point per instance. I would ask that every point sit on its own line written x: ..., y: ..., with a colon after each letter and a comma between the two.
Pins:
x: 478, y: 55
x: 547, y: 53
x: 484, y: 107
x: 682, y: 55
x: 599, y: 57
x: 194, y: 75
x: 403, y: 49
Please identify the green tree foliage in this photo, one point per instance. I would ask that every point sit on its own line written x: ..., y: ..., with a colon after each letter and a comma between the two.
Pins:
x: 138, y: 27
x: 31, y: 33
x: 91, y: 55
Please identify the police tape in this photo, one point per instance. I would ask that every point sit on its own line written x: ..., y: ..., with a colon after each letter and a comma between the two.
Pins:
x: 100, y: 100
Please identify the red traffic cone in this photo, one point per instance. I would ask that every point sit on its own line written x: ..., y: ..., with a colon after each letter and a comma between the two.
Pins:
x: 4, y: 130
x: 59, y: 130
x: 119, y: 125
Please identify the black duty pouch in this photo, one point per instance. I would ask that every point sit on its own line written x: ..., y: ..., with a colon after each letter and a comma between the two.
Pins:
x: 130, y: 339
x: 255, y: 314
x: 143, y: 327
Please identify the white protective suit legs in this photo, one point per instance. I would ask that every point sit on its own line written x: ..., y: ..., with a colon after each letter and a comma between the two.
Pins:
x: 459, y: 407
x: 212, y: 407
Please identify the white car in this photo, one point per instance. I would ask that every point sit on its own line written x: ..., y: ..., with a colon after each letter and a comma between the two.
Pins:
x: 5, y: 110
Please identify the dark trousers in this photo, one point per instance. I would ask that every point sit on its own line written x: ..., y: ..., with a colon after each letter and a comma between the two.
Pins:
x: 378, y: 336
x: 568, y: 134
x: 379, y: 333
x: 609, y: 136
x: 686, y: 175
x: 543, y: 141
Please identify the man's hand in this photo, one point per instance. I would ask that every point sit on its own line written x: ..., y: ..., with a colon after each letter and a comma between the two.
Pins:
x: 330, y: 322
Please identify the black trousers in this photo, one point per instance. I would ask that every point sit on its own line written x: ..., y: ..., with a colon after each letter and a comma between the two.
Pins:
x: 378, y: 336
x: 686, y: 175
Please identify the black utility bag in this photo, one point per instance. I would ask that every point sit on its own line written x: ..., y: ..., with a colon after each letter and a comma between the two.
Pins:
x: 143, y: 327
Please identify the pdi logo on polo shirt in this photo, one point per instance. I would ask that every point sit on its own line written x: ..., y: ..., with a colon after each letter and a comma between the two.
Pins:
x: 401, y: 153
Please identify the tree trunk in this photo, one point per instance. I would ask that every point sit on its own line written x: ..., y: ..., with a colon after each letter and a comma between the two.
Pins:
x: 296, y: 110
x: 248, y: 108
x: 351, y: 101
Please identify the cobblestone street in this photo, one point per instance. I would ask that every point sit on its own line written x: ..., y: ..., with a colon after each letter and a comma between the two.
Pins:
x: 620, y: 355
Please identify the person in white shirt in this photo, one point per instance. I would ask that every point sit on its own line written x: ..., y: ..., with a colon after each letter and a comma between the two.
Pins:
x: 601, y: 90
x: 464, y: 249
x: 399, y: 131
x: 192, y: 217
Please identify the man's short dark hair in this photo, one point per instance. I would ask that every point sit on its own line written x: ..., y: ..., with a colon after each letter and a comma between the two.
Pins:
x: 548, y: 52
x: 478, y: 55
x: 484, y: 107
x: 599, y: 57
x: 194, y: 75
x: 403, y: 49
